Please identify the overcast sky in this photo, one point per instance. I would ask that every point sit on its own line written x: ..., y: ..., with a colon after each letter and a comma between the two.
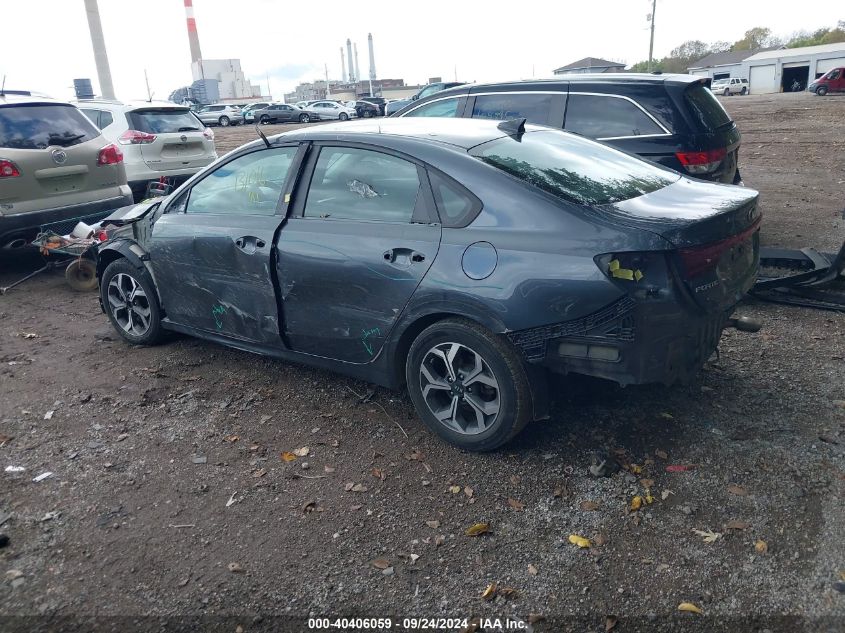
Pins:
x: 46, y: 43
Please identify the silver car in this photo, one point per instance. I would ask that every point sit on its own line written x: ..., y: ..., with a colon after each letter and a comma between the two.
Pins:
x: 220, y: 114
x: 330, y: 110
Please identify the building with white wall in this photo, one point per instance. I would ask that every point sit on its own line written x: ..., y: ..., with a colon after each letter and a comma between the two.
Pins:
x: 777, y: 70
x: 233, y: 83
x: 723, y: 65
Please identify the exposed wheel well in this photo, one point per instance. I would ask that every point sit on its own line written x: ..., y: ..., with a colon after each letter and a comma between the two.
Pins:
x: 105, y: 258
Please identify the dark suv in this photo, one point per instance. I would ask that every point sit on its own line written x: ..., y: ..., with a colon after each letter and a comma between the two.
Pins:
x: 673, y: 120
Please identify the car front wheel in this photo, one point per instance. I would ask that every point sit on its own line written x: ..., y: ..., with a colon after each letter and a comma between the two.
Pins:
x: 223, y: 121
x: 744, y: 91
x: 304, y: 118
x: 727, y: 92
x: 821, y: 91
x: 265, y: 119
x: 130, y: 300
x: 343, y: 116
x: 468, y: 385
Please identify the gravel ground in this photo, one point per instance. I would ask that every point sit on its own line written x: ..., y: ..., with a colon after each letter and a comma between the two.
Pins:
x: 169, y: 496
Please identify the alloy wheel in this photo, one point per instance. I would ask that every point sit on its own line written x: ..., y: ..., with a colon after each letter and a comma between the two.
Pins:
x: 459, y: 388
x: 129, y: 304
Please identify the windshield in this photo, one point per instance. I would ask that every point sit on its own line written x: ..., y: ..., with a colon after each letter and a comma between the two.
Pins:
x: 572, y: 168
x: 164, y: 121
x: 38, y: 126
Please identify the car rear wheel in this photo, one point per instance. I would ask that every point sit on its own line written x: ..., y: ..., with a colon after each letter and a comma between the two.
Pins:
x: 265, y: 119
x: 223, y: 121
x: 744, y: 91
x: 343, y: 116
x: 130, y: 300
x: 304, y: 118
x: 468, y: 385
x: 821, y: 91
x: 727, y: 92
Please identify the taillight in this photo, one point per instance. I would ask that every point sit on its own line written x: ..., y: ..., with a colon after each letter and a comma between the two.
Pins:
x: 208, y: 133
x: 110, y: 155
x: 699, y: 259
x: 702, y: 162
x: 134, y: 137
x: 8, y: 169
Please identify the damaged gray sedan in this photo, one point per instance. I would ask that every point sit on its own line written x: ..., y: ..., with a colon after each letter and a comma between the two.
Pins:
x: 461, y: 258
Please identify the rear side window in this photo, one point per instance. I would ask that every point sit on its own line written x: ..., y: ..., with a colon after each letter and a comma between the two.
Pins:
x: 40, y: 125
x: 501, y: 107
x: 444, y: 108
x: 705, y: 109
x: 572, y: 168
x: 598, y: 116
x: 163, y: 121
x: 457, y: 206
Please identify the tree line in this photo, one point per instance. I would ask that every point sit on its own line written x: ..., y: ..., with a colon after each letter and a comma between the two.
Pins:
x: 682, y: 57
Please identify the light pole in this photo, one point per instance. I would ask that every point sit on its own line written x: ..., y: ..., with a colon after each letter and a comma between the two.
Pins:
x: 651, y: 42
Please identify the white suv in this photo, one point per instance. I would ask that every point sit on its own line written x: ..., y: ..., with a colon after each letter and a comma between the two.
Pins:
x: 159, y: 140
x: 220, y: 114
x: 731, y: 86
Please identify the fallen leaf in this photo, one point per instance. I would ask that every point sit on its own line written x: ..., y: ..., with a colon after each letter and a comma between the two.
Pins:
x: 661, y: 454
x: 516, y: 504
x: 689, y: 606
x: 359, y: 488
x: 709, y: 536
x: 580, y: 541
x: 532, y: 570
x: 415, y: 456
x: 287, y: 456
x: 235, y: 568
x: 665, y: 494
x: 380, y: 563
x: 489, y: 593
x: 507, y: 592
x: 737, y: 490
x: 478, y: 529
x: 647, y: 483
x: 636, y: 503
x: 231, y: 438
x: 468, y: 491
x: 255, y: 447
x: 589, y: 506
x: 454, y: 489
x: 301, y: 452
x: 737, y: 525
x: 433, y: 524
x: 761, y: 546
x: 610, y: 623
x: 637, y: 470
x: 533, y: 618
x: 259, y: 473
x: 680, y: 468
x: 378, y: 473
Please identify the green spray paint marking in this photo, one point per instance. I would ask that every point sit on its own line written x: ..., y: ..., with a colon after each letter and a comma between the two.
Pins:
x: 217, y: 312
x: 367, y: 334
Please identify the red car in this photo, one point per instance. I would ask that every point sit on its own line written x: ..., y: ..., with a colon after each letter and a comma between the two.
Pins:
x: 832, y: 81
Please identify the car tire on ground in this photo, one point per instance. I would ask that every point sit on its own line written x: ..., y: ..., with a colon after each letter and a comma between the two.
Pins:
x: 821, y: 91
x: 367, y: 114
x: 468, y: 385
x: 304, y: 118
x: 744, y: 91
x: 343, y: 116
x: 223, y: 121
x: 265, y: 119
x: 727, y: 92
x: 129, y: 297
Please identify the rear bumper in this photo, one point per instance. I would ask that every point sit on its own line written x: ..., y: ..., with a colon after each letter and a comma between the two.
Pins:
x: 628, y: 343
x: 25, y: 224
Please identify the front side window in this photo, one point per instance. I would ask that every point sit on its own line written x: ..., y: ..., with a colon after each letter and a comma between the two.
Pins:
x: 360, y: 184
x: 834, y: 74
x: 502, y: 107
x: 429, y: 90
x: 442, y: 107
x: 598, y: 116
x: 572, y: 168
x: 38, y: 126
x: 249, y: 185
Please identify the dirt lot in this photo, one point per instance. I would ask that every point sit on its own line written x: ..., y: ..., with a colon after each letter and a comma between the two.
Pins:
x: 169, y: 498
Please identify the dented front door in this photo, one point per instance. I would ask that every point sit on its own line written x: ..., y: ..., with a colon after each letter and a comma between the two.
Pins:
x: 212, y: 251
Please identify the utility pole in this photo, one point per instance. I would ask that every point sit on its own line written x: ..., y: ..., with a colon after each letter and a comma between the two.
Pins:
x: 651, y: 42
x: 147, y: 80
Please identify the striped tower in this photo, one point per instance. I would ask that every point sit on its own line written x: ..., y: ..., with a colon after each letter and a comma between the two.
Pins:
x: 193, y: 38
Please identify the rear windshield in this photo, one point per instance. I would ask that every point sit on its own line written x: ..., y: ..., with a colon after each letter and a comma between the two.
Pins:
x: 573, y: 168
x: 163, y: 121
x: 38, y: 126
x: 705, y: 108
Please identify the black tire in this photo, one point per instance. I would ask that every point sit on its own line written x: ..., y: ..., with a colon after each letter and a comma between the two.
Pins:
x: 223, y: 121
x: 744, y: 91
x: 367, y: 114
x: 821, y: 91
x: 265, y: 119
x: 727, y: 92
x: 499, y: 360
x: 343, y: 116
x: 153, y: 333
x: 304, y: 118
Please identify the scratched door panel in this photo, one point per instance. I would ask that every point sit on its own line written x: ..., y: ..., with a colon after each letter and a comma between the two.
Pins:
x: 341, y: 295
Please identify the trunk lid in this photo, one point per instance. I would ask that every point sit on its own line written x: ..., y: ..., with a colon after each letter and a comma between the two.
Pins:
x: 715, y: 229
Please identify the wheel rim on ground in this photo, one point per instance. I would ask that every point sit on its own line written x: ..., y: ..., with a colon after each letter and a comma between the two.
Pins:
x: 343, y: 116
x: 459, y: 388
x: 129, y: 304
x: 304, y: 118
x: 224, y: 121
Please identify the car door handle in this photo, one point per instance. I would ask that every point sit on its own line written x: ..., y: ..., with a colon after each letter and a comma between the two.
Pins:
x: 389, y: 255
x: 417, y: 257
x: 249, y: 243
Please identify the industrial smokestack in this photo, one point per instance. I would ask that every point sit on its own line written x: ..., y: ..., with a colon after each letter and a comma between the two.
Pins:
x: 357, y: 68
x: 193, y: 38
x: 101, y: 59
x: 349, y: 57
x: 343, y: 64
x: 372, y: 56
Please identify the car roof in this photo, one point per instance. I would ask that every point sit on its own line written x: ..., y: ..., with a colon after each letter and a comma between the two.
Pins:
x: 18, y: 99
x: 463, y: 133
x: 127, y: 105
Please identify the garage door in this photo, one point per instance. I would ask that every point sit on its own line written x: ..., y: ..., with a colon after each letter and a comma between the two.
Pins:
x: 826, y: 64
x: 762, y: 80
